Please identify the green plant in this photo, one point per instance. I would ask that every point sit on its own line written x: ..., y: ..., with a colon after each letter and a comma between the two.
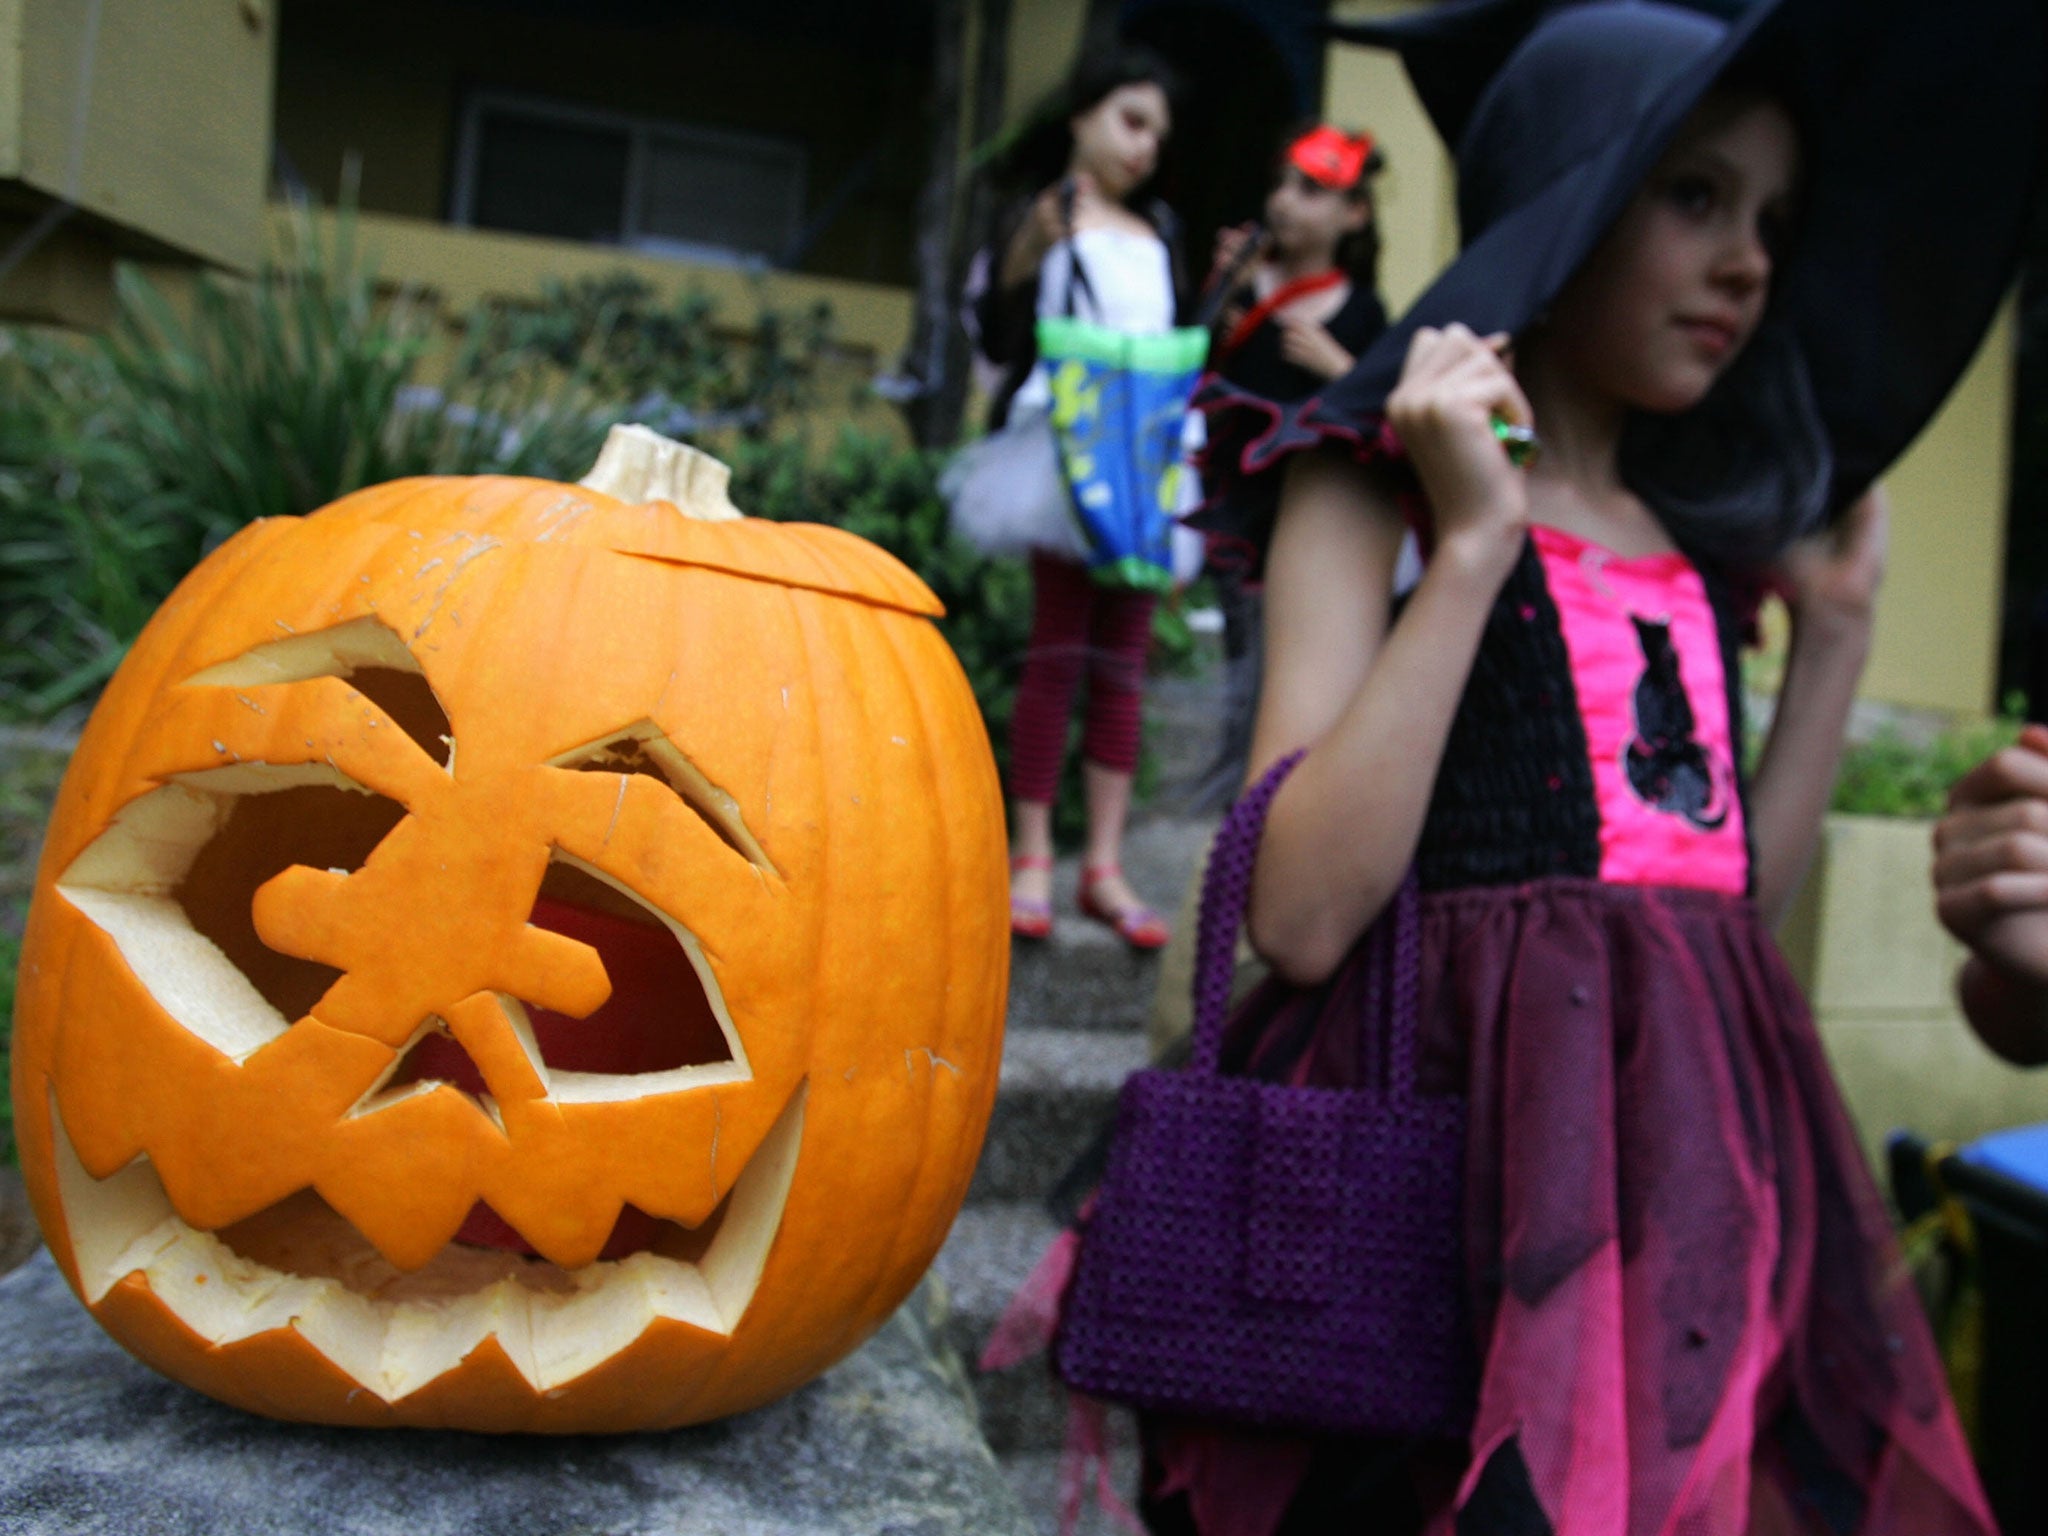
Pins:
x: 122, y: 461
x: 677, y: 364
x: 1889, y: 775
x: 868, y: 485
x: 80, y: 570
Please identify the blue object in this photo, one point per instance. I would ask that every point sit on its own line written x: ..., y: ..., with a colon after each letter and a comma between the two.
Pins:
x: 2020, y: 1154
x: 1118, y: 401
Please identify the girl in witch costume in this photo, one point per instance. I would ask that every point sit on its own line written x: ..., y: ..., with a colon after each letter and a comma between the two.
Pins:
x: 1302, y: 302
x: 1306, y: 303
x: 1085, y: 231
x: 1725, y: 271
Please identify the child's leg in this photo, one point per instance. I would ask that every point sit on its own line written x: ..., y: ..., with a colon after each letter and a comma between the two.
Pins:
x: 1062, y: 598
x: 1120, y: 638
x: 1118, y: 641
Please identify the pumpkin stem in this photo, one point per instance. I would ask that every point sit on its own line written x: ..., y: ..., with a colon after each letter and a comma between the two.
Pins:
x: 638, y: 464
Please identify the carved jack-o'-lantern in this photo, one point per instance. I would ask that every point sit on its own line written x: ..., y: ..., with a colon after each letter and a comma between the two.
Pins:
x: 514, y: 956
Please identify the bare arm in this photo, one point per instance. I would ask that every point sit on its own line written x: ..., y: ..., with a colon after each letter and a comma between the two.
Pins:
x: 1374, y: 703
x: 1832, y: 581
x: 1046, y: 223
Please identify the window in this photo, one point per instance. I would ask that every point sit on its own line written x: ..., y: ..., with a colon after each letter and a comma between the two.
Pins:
x: 542, y: 168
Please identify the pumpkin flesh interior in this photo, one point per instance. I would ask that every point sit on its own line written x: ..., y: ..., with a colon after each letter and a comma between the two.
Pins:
x: 322, y: 826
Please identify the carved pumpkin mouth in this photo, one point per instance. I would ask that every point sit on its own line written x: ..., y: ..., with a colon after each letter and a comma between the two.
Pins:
x: 301, y: 1265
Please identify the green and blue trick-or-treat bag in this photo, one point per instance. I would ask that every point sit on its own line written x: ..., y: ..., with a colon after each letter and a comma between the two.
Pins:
x: 1118, y: 404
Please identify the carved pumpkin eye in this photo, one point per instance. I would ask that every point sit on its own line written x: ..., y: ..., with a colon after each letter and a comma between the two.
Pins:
x: 514, y: 958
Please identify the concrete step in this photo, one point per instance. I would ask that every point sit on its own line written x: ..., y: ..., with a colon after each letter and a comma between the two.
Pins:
x: 1086, y: 978
x: 1183, y: 728
x: 1058, y: 1089
x: 990, y: 1251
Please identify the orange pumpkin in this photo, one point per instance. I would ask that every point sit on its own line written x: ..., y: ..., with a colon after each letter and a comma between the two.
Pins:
x: 517, y: 957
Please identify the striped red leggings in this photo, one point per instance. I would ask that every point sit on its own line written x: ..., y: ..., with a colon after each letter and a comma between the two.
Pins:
x: 1075, y: 622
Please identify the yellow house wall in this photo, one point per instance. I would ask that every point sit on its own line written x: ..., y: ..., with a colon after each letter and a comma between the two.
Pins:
x: 1416, y: 194
x: 66, y: 280
x: 1936, y: 644
x: 1879, y: 972
x: 170, y: 143
x: 1044, y: 36
x: 1937, y: 627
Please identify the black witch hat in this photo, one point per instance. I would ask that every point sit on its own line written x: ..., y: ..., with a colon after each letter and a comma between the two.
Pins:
x: 1921, y: 143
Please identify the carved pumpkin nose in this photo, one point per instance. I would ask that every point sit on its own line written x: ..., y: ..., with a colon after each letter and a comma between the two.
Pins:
x: 656, y: 1019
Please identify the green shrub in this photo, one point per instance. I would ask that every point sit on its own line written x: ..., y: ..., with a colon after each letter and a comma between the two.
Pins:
x: 886, y: 494
x: 1890, y: 776
x: 674, y: 367
x: 123, y: 460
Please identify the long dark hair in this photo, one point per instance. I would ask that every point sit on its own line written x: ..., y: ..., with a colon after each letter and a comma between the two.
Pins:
x: 1037, y: 155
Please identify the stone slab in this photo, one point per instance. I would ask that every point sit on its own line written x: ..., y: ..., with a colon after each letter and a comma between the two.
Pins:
x: 988, y: 1255
x: 94, y: 1444
x: 1084, y: 976
x: 1057, y: 1092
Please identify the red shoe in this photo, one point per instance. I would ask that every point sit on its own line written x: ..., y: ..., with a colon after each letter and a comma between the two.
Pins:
x: 1030, y: 917
x: 1139, y: 926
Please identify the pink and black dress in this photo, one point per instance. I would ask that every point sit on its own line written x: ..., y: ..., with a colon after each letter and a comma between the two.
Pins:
x: 1691, y: 1315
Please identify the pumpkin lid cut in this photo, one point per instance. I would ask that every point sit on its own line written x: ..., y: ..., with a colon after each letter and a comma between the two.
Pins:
x: 657, y: 499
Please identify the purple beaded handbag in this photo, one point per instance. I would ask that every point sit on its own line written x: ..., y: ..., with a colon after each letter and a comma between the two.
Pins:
x: 1281, y: 1256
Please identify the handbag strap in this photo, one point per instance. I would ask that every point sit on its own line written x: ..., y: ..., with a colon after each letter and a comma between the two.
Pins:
x: 1226, y: 889
x: 1077, y: 275
x: 1395, y: 940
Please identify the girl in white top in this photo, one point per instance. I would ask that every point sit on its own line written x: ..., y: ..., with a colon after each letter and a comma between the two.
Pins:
x: 1105, y: 146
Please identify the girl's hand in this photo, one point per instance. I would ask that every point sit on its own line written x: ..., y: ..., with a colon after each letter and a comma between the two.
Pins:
x: 1831, y: 578
x: 1991, y: 859
x: 1309, y: 345
x: 1230, y: 248
x: 1071, y: 203
x: 1452, y: 386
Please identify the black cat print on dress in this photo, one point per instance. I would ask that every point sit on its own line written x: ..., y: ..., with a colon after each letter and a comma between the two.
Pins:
x: 1668, y: 769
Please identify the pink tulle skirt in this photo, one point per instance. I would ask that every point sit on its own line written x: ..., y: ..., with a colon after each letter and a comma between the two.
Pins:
x: 1693, y: 1316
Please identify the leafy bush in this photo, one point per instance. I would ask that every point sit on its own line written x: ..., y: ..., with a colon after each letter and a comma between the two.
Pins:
x: 675, y: 368
x: 1891, y: 776
x: 123, y: 460
x: 889, y: 495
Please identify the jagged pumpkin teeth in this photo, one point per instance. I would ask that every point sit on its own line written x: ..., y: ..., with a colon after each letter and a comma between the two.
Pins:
x: 393, y: 1331
x: 495, y: 963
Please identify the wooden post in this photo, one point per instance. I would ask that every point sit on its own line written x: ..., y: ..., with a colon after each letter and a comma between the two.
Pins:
x: 937, y: 218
